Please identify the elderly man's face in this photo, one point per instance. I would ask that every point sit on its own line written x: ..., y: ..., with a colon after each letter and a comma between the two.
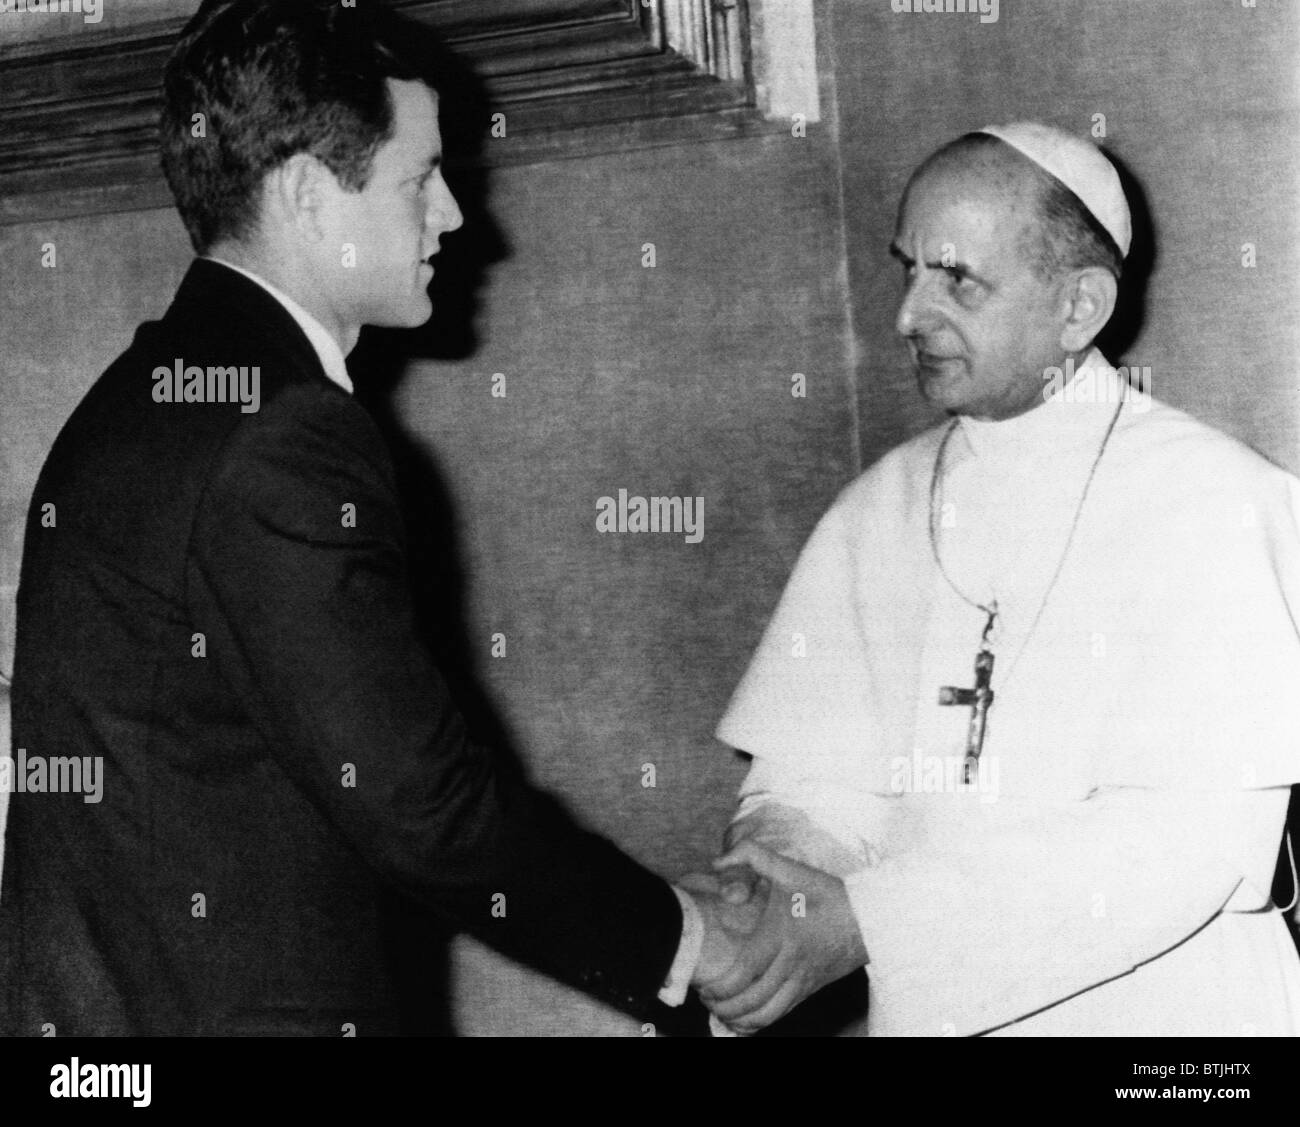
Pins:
x: 981, y: 325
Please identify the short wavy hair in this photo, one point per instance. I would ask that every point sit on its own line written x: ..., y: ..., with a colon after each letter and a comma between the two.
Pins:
x: 273, y: 78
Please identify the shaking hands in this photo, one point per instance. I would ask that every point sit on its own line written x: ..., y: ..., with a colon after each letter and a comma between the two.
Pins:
x: 776, y: 931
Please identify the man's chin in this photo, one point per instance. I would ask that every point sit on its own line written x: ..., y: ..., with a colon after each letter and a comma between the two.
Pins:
x: 946, y: 390
x: 410, y: 314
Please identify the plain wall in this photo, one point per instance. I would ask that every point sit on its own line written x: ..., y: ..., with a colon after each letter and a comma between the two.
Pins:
x: 672, y: 381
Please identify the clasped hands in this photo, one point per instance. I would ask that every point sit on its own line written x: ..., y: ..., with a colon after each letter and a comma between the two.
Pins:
x: 776, y: 931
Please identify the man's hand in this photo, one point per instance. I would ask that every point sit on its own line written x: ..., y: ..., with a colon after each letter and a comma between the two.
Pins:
x: 807, y: 936
x: 732, y: 949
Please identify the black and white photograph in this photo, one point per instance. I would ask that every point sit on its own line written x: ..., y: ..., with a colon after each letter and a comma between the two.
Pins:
x: 755, y: 520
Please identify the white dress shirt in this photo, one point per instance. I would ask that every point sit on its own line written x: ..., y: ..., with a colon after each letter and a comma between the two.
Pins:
x: 327, y: 348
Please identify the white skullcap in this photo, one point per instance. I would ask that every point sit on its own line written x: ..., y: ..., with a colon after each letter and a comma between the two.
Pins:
x: 1080, y: 166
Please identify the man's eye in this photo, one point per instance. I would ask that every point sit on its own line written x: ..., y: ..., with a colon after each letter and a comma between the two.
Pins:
x: 960, y: 280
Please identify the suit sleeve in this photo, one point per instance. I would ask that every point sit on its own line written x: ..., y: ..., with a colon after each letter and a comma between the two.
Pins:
x: 297, y: 575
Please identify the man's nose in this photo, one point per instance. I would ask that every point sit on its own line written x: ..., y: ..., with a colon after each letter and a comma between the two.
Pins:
x: 916, y: 312
x: 444, y: 213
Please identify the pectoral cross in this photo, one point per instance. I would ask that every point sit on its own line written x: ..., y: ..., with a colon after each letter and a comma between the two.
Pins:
x: 979, y: 699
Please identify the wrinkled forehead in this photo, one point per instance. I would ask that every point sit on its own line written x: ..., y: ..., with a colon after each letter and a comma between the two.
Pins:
x: 968, y: 203
x: 983, y: 169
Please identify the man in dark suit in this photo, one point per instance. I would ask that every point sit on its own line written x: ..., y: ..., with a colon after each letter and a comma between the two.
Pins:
x: 214, y: 607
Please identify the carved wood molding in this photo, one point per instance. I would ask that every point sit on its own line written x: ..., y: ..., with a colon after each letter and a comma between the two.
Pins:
x: 78, y: 112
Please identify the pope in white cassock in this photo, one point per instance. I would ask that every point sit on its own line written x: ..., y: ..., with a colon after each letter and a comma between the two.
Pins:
x: 1032, y: 693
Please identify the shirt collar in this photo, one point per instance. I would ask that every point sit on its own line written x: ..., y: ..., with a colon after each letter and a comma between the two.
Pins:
x: 1077, y: 408
x: 326, y: 347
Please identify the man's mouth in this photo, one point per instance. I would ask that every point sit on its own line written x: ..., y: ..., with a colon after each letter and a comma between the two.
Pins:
x: 934, y: 359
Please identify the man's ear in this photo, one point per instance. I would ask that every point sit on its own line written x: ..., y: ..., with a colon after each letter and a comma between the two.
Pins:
x: 301, y: 189
x: 1089, y: 298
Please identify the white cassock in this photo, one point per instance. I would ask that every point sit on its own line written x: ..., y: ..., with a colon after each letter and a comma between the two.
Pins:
x: 1108, y: 869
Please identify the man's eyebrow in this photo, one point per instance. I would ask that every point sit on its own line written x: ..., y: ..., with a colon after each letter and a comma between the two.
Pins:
x: 895, y: 251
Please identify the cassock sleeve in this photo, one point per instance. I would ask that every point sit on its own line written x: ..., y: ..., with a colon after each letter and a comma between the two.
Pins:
x: 308, y: 618
x: 995, y: 912
x: 1005, y: 914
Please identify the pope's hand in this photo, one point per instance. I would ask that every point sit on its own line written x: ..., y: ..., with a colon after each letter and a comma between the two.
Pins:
x: 739, y: 883
x: 806, y: 938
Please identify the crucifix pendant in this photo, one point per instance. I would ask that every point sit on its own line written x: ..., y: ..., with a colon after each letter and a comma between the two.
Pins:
x: 978, y: 699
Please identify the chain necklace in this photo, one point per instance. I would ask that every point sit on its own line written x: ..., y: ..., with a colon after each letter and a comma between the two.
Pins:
x: 980, y: 698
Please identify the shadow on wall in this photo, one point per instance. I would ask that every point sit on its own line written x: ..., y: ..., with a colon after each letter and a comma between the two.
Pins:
x: 5, y: 738
x: 417, y: 941
x: 1286, y: 881
x: 1131, y: 308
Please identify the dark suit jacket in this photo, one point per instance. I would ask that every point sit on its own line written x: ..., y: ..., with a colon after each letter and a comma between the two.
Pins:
x: 224, y: 774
